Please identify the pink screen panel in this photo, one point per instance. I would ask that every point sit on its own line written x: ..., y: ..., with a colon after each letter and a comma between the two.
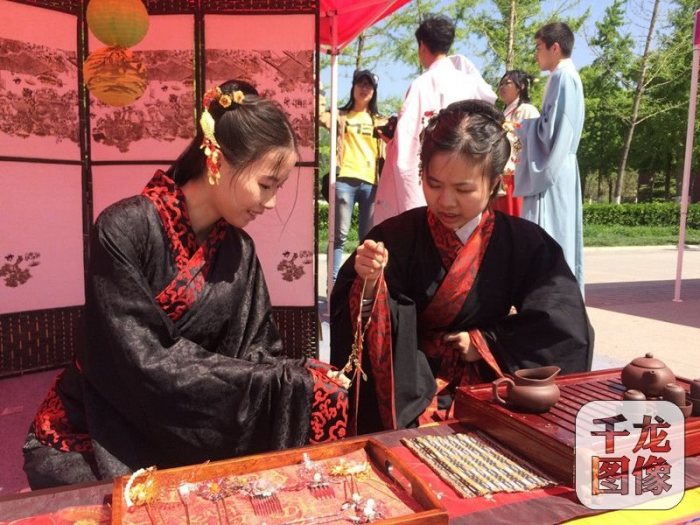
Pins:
x: 41, y: 237
x: 159, y: 124
x: 284, y: 240
x: 39, y: 115
x: 113, y: 183
x: 275, y: 53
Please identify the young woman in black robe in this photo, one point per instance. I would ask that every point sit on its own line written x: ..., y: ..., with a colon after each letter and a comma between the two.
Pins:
x: 182, y: 361
x: 453, y: 293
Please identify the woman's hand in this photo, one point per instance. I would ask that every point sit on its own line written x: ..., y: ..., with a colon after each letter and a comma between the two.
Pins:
x: 370, y: 258
x: 461, y: 342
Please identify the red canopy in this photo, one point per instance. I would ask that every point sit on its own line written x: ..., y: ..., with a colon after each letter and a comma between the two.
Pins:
x: 351, y: 17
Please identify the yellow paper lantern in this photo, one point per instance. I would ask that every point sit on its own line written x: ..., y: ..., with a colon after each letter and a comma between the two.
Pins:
x: 114, y: 76
x: 120, y: 23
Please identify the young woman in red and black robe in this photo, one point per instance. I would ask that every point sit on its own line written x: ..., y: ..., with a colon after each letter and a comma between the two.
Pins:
x: 183, y: 362
x: 453, y: 293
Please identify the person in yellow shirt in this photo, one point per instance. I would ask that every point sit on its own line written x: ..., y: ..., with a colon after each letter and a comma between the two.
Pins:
x: 359, y: 149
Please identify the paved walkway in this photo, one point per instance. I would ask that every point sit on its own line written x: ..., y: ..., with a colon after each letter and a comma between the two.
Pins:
x: 629, y: 295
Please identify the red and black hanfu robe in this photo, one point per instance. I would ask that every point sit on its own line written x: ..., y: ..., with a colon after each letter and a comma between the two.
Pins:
x: 183, y: 361
x: 434, y: 285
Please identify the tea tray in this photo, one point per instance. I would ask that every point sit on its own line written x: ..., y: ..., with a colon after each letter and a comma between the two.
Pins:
x: 548, y: 439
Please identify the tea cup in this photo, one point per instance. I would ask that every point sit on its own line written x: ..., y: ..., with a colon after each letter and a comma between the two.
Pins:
x: 634, y: 395
x: 695, y: 388
x: 674, y: 393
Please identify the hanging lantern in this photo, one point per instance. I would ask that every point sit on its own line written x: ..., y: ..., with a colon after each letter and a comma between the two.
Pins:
x: 114, y: 76
x: 121, y: 23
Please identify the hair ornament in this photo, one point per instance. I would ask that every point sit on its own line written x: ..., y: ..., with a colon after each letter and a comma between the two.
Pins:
x: 211, y: 147
x: 143, y: 492
x: 510, y: 127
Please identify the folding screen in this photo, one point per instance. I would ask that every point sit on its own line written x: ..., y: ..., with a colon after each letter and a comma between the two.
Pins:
x: 65, y: 156
x: 41, y: 176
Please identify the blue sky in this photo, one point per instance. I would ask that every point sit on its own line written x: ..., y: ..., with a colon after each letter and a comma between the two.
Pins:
x: 394, y: 79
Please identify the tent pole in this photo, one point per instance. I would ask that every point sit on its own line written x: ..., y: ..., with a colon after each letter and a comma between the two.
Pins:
x: 332, y: 161
x: 688, y: 157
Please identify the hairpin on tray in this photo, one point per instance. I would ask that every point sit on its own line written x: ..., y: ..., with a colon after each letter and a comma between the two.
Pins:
x: 216, y: 491
x: 315, y: 478
x: 263, y: 497
x: 141, y: 489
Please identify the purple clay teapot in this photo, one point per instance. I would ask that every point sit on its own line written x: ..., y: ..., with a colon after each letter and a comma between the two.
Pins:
x: 648, y: 375
x: 530, y: 390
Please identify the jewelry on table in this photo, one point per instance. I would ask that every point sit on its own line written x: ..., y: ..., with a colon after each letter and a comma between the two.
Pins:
x: 315, y: 478
x: 217, y: 491
x: 141, y: 493
x: 184, y: 492
x: 263, y: 497
x: 363, y: 510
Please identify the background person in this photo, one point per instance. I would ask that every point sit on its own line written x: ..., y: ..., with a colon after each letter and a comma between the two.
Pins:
x: 547, y: 175
x: 437, y: 315
x: 182, y: 360
x: 359, y: 151
x: 513, y: 90
x: 446, y: 80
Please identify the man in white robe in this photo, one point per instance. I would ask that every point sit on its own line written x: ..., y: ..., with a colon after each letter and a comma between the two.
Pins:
x: 447, y: 79
x: 547, y: 175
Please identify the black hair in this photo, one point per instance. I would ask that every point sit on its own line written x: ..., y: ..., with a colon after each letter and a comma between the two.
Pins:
x: 557, y: 32
x: 522, y: 81
x: 472, y: 128
x: 372, y: 106
x: 437, y: 32
x: 245, y: 131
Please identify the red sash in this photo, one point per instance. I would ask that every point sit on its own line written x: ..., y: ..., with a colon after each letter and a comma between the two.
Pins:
x: 379, y: 347
x: 192, y: 260
x: 462, y: 263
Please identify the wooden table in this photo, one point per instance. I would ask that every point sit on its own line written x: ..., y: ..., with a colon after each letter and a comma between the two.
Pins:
x: 542, y: 506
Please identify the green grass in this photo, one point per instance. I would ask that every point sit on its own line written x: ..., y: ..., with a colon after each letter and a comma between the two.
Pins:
x: 613, y: 235
x: 593, y: 235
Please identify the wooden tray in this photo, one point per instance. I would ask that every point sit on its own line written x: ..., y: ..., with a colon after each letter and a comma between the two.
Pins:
x: 386, y: 462
x: 548, y: 439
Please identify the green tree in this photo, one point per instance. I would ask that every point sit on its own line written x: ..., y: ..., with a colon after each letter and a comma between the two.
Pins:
x: 642, y: 77
x: 604, y: 83
x: 659, y: 146
x: 508, y: 27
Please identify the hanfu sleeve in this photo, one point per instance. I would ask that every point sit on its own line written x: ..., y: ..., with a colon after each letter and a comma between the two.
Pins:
x: 551, y: 326
x: 547, y: 140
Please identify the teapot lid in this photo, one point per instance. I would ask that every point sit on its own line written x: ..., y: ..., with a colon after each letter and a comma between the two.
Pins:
x: 648, y: 361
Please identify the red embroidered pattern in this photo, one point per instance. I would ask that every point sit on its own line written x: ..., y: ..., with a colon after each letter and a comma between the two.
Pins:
x: 329, y: 408
x: 191, y: 260
x: 53, y: 429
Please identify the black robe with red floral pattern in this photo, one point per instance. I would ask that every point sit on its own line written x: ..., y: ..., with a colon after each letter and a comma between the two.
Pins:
x: 434, y: 285
x: 182, y: 361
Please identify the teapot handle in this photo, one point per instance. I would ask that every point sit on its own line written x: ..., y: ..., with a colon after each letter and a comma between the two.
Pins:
x: 494, y: 388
